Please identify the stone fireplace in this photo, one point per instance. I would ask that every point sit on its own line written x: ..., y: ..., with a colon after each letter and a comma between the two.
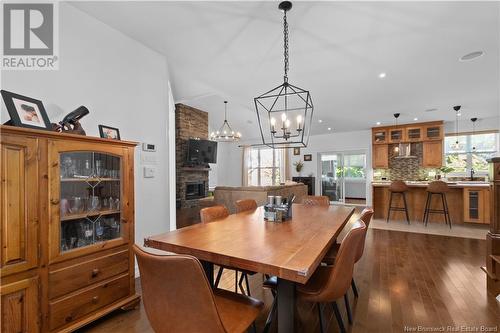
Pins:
x: 191, y: 182
x: 195, y: 190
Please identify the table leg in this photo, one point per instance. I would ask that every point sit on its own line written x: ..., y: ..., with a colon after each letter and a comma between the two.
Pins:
x: 286, y: 306
x: 208, y: 267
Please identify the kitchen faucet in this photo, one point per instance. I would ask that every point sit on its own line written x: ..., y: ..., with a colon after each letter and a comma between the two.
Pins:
x: 471, y: 173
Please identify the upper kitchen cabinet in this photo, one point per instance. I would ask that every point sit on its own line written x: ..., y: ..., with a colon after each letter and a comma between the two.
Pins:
x: 432, y: 154
x: 380, y: 156
x: 434, y: 131
x: 413, y: 133
x: 379, y: 136
x: 396, y: 135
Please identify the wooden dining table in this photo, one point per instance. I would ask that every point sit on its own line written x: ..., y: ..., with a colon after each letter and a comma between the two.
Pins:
x: 290, y: 250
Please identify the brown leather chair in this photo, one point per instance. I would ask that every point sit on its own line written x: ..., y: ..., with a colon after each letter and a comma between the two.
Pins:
x: 398, y: 187
x: 366, y: 217
x: 245, y: 205
x: 214, y: 213
x: 439, y: 188
x: 329, y: 283
x: 177, y: 297
x: 329, y: 259
x: 316, y: 200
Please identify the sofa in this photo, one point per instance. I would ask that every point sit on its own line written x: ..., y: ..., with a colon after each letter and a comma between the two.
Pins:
x: 228, y: 195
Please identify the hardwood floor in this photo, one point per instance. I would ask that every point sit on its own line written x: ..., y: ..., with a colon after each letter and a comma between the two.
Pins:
x: 404, y: 280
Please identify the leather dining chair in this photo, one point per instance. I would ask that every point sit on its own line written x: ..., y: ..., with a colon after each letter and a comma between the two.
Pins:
x: 245, y: 205
x: 213, y: 214
x: 271, y: 283
x: 316, y: 200
x: 329, y: 259
x: 177, y: 297
x: 330, y: 283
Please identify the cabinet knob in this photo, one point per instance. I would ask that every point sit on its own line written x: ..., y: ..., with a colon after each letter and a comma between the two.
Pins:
x: 95, y: 299
x: 54, y: 201
x: 95, y: 271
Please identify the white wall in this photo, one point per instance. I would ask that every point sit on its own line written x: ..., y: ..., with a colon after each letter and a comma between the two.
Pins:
x: 335, y: 142
x: 227, y: 171
x: 124, y: 84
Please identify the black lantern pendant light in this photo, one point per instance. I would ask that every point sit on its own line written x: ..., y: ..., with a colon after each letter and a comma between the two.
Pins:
x: 285, y: 112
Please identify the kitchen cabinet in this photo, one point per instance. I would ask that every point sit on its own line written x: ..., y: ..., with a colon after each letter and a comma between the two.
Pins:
x: 379, y: 136
x: 396, y: 135
x: 380, y: 156
x: 413, y: 134
x: 433, y: 132
x: 67, y: 229
x: 432, y: 152
x: 476, y: 205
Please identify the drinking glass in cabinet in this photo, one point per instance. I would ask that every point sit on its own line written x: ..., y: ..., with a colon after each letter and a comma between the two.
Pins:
x: 90, y: 193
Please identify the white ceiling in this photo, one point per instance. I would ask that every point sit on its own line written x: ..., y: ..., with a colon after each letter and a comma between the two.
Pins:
x: 233, y: 51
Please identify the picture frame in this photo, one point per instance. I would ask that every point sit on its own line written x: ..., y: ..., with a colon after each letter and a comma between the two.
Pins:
x: 108, y: 132
x: 307, y: 157
x: 25, y: 111
x: 296, y: 151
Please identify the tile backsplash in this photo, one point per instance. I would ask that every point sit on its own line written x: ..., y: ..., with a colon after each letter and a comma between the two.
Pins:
x: 404, y: 168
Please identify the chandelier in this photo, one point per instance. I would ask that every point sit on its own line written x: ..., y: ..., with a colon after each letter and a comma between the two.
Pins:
x: 285, y: 112
x: 225, y: 132
x: 457, y: 145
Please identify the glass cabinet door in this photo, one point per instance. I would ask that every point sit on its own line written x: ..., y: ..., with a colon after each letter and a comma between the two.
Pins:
x: 379, y: 136
x: 90, y: 199
x: 396, y: 135
x: 433, y: 132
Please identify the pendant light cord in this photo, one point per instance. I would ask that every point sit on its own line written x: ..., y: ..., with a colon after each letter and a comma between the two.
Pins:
x: 225, y: 111
x: 285, y: 45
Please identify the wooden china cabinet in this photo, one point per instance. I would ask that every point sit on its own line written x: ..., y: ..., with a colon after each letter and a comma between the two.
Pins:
x: 67, y: 227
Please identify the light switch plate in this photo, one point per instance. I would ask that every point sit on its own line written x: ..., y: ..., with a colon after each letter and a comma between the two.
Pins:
x: 149, y: 172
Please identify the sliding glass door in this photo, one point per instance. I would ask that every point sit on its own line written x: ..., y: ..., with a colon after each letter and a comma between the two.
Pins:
x: 343, y: 177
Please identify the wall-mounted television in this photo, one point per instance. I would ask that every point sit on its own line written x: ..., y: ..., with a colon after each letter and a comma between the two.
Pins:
x: 201, y: 152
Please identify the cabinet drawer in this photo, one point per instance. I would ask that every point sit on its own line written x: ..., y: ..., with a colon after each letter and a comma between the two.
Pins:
x: 77, y: 276
x: 77, y: 305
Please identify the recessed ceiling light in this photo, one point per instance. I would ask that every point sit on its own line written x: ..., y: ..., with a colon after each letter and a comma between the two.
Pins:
x: 431, y: 110
x: 415, y: 119
x: 459, y: 114
x: 471, y: 56
x: 378, y: 123
x: 382, y: 75
x: 320, y: 121
x: 329, y: 128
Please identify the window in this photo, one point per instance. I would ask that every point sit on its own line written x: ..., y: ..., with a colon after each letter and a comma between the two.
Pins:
x: 265, y: 166
x: 354, y: 166
x: 472, y: 152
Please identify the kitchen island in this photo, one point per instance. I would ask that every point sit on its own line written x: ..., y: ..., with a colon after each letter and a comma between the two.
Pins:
x: 468, y: 202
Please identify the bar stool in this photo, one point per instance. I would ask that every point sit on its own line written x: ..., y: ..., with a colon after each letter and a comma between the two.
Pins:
x: 437, y: 187
x: 398, y: 187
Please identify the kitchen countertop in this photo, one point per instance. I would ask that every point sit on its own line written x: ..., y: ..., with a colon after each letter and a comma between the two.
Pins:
x: 456, y: 184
